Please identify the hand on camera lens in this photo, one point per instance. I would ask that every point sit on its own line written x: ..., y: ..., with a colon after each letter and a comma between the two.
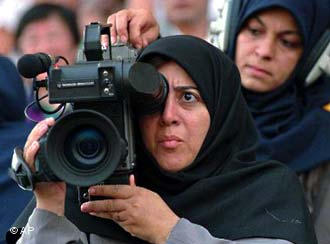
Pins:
x: 49, y: 195
x: 136, y: 26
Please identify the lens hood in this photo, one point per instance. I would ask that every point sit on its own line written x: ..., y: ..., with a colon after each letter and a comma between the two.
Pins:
x: 84, y: 148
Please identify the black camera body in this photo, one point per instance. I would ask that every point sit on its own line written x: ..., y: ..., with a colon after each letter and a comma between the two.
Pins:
x: 94, y: 144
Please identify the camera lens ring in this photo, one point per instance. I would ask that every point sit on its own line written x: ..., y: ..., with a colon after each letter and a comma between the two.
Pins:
x: 63, y: 167
x: 87, y: 149
x: 86, y: 146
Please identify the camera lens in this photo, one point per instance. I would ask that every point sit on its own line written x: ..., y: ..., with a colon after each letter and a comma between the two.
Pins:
x: 85, y: 147
x: 88, y: 145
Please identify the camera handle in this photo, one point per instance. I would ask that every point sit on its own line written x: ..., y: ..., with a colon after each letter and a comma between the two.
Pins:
x: 21, y: 173
x: 93, y: 49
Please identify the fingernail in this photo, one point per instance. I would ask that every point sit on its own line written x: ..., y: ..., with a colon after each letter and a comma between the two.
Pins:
x: 113, y: 40
x: 123, y: 38
x: 83, y: 207
x: 91, y: 190
x: 49, y: 120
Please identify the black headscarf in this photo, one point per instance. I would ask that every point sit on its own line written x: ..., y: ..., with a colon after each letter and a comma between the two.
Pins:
x: 293, y: 126
x: 224, y: 189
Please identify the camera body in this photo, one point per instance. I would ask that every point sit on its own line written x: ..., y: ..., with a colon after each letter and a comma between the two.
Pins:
x: 94, y: 144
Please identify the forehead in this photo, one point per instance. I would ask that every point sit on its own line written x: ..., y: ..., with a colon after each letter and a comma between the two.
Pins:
x: 276, y: 17
x: 52, y: 21
x: 186, y: 2
x: 175, y: 74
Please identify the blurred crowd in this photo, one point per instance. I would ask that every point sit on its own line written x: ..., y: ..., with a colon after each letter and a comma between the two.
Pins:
x: 189, y: 17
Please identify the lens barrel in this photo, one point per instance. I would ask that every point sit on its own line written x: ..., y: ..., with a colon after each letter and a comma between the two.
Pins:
x: 84, y: 148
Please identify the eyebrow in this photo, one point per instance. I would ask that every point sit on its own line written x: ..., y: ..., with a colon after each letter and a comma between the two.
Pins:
x: 286, y: 32
x: 185, y: 87
x: 257, y: 18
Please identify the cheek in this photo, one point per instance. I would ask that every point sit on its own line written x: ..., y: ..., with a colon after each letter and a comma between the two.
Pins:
x: 287, y: 63
x: 148, y: 129
x: 243, y: 48
x: 198, y: 128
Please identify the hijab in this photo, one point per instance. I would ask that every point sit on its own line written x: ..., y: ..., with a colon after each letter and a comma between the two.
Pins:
x: 224, y: 189
x: 13, y: 132
x: 292, y: 125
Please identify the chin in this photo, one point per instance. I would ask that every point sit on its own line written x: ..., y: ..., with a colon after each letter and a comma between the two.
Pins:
x: 170, y: 166
x: 253, y: 85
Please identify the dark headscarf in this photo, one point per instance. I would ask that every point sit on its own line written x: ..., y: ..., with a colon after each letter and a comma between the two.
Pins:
x: 292, y: 124
x: 13, y: 132
x: 224, y: 189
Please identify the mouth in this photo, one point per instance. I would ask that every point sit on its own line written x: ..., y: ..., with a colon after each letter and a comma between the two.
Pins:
x: 257, y: 71
x: 181, y: 4
x: 170, y: 142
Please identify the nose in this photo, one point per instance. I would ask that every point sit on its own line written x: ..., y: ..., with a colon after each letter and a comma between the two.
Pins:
x: 169, y: 115
x: 266, y: 48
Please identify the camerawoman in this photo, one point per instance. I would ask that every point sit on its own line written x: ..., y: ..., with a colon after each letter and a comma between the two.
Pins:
x: 93, y: 143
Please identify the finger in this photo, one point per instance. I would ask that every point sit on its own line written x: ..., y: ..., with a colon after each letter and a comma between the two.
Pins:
x: 35, y: 134
x: 113, y: 31
x: 108, y: 205
x: 145, y: 42
x: 135, y: 35
x: 112, y: 191
x: 103, y: 215
x: 122, y: 25
x: 38, y: 131
x: 143, y: 28
x: 132, y: 180
x: 30, y: 154
x: 151, y: 35
x: 105, y: 41
x: 117, y: 217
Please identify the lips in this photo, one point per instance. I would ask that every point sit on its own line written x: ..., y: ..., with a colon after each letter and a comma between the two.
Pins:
x: 257, y: 71
x: 170, y: 142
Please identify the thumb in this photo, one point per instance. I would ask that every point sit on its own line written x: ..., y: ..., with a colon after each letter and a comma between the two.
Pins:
x: 132, y: 180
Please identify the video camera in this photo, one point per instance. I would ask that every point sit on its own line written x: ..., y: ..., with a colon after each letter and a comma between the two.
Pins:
x: 94, y: 143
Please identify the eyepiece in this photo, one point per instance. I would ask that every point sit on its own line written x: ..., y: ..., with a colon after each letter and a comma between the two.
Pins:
x: 148, y: 88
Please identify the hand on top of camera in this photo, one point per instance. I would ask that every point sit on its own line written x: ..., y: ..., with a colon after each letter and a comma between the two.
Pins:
x: 136, y: 26
x: 137, y: 210
x: 49, y: 195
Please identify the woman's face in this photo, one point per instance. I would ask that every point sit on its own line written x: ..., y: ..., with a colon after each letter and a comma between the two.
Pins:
x: 175, y: 136
x: 268, y: 48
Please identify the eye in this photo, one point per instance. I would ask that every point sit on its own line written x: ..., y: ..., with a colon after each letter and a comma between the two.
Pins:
x: 290, y: 44
x: 189, y: 97
x: 254, y: 31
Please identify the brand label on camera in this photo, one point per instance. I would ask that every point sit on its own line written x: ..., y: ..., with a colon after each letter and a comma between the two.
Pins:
x: 68, y: 84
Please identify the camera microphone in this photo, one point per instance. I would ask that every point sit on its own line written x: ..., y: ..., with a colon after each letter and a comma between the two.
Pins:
x: 31, y: 65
